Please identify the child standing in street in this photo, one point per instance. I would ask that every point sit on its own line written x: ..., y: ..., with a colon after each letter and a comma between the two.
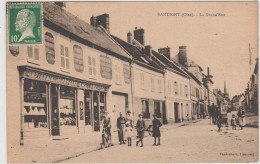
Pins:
x: 128, y: 133
x: 233, y: 122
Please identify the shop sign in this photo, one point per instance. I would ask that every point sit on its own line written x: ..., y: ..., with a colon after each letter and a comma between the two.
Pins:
x: 61, y: 80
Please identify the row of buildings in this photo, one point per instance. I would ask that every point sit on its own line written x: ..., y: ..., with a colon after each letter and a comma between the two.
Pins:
x: 82, y: 70
x: 249, y: 99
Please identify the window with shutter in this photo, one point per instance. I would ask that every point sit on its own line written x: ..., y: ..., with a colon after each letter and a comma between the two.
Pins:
x: 33, y: 53
x: 64, y: 54
x: 49, y: 48
x: 105, y: 67
x: 126, y: 71
x: 92, y: 66
x: 78, y: 58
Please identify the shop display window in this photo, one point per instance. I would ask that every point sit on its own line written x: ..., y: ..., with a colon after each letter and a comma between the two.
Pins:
x: 67, y: 107
x: 35, y: 112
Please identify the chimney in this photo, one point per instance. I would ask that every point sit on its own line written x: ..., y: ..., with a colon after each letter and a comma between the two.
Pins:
x: 182, y: 55
x: 208, y: 71
x: 61, y: 4
x: 165, y: 51
x: 93, y: 21
x: 139, y: 35
x: 102, y: 20
x: 129, y: 37
x: 148, y: 51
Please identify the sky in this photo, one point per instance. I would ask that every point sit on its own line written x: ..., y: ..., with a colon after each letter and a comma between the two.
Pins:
x: 218, y: 42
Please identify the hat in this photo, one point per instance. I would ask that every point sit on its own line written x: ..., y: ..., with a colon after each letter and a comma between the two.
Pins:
x: 140, y: 114
x: 155, y: 115
x: 128, y: 111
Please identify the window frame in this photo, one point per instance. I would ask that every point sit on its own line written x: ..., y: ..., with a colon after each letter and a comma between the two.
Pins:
x: 48, y: 43
x: 80, y: 70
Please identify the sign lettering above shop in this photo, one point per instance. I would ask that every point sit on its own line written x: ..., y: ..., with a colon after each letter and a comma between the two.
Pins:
x: 31, y: 74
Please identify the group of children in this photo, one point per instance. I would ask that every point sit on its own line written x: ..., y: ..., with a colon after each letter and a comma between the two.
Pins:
x: 125, y: 129
x: 236, y: 120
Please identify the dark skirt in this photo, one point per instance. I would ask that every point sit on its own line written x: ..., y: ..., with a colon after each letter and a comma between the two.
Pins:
x: 156, y: 132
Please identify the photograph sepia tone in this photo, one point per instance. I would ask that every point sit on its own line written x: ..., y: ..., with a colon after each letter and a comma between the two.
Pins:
x: 132, y: 82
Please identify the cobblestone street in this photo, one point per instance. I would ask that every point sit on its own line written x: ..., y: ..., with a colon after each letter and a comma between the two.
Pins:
x: 198, y: 142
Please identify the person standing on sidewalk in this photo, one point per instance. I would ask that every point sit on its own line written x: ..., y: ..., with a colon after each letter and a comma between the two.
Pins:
x: 107, y: 127
x: 129, y: 128
x: 140, y: 127
x: 156, y: 129
x: 120, y: 127
x: 241, y: 117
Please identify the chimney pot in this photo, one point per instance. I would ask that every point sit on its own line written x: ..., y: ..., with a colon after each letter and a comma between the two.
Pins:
x: 165, y: 52
x: 148, y: 50
x: 139, y: 35
x: 129, y: 37
x: 102, y: 20
x: 182, y: 55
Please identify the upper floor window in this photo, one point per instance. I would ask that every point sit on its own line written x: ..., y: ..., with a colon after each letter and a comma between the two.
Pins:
x: 105, y: 67
x: 159, y: 86
x: 176, y: 88
x: 169, y: 86
x: 126, y: 71
x: 186, y: 90
x: 92, y: 66
x: 118, y: 74
x: 49, y: 48
x: 33, y: 52
x: 78, y: 58
x: 64, y: 55
x: 152, y: 84
x: 142, y: 80
x: 180, y: 89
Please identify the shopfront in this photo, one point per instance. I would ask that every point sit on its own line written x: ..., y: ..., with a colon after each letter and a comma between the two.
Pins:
x: 54, y: 104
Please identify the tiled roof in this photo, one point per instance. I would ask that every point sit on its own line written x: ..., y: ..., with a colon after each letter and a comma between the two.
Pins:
x: 137, y: 53
x: 168, y: 63
x: 76, y: 27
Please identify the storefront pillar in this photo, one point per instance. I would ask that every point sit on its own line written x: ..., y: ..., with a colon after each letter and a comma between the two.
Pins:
x: 21, y: 110
x: 76, y: 108
x: 99, y: 109
x: 92, y: 109
x: 48, y: 105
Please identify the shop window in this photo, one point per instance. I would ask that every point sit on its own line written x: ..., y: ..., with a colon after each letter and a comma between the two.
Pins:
x: 169, y: 86
x: 142, y: 80
x: 49, y: 48
x: 92, y: 66
x: 157, y: 110
x: 105, y: 67
x: 64, y: 54
x: 35, y: 111
x: 67, y: 106
x: 152, y: 84
x: 33, y: 52
x: 145, y: 109
x: 78, y: 58
x: 126, y: 71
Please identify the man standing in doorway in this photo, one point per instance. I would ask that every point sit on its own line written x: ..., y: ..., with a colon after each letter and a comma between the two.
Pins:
x: 120, y: 127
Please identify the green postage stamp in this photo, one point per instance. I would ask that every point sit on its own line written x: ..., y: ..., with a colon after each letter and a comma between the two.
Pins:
x: 25, y: 23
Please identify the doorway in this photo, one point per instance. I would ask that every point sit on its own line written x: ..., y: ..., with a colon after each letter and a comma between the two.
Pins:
x: 176, y: 112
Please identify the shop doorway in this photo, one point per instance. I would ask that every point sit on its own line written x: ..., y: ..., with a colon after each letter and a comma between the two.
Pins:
x: 176, y: 112
x: 55, y: 126
x: 119, y: 105
x: 164, y: 113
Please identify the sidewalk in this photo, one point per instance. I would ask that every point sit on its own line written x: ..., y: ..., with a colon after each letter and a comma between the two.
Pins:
x: 53, y: 149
